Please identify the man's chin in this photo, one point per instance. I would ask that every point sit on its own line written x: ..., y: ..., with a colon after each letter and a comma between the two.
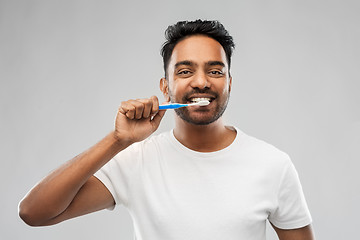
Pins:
x: 199, y: 120
x: 200, y: 116
x: 198, y: 123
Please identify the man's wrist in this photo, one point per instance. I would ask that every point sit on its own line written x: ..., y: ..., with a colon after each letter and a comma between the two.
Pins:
x: 121, y: 141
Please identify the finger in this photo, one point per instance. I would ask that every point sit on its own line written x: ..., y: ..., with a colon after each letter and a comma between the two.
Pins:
x: 121, y: 110
x: 128, y: 109
x: 139, y: 108
x: 147, y: 107
x: 157, y: 119
x: 155, y: 105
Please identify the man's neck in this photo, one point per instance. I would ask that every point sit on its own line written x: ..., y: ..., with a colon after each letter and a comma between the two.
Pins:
x: 203, y: 138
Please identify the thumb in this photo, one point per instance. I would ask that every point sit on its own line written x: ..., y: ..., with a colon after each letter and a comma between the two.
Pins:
x: 157, y: 118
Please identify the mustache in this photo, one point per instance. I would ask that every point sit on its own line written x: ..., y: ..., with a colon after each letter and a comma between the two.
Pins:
x: 202, y: 91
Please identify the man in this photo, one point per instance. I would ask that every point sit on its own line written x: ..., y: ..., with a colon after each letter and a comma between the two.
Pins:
x: 202, y: 180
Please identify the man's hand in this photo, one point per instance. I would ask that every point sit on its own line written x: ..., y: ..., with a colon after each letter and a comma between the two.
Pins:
x: 137, y: 119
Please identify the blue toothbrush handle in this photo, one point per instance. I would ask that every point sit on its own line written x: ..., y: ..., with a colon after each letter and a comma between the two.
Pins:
x: 172, y: 106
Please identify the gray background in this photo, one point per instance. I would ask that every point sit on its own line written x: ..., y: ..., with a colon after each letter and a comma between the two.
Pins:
x: 65, y: 66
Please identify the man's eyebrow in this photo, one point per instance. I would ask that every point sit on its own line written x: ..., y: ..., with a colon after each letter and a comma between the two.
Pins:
x: 215, y: 63
x: 190, y: 63
x: 185, y: 62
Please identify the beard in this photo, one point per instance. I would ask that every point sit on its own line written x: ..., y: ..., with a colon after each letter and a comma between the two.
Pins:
x: 208, y: 116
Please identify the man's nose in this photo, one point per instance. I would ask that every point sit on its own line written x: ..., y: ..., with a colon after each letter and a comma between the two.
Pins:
x: 200, y: 81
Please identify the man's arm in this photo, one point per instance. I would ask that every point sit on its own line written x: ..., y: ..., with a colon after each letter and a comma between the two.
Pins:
x: 304, y: 233
x: 71, y: 190
x: 69, y: 186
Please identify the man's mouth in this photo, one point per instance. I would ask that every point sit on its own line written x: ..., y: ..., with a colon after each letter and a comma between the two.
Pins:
x: 198, y: 99
x: 196, y: 96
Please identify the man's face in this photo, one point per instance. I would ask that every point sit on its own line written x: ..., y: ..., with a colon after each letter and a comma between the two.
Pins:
x: 198, y: 70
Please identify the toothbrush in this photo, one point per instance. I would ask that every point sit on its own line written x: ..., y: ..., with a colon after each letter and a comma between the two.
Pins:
x: 179, y: 105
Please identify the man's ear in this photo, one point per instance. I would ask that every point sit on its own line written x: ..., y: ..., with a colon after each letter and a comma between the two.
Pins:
x: 230, y: 83
x: 164, y: 87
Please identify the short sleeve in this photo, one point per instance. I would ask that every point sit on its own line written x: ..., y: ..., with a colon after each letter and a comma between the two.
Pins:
x: 116, y: 174
x: 292, y: 211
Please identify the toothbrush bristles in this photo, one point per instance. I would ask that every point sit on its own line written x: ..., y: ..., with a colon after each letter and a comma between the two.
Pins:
x: 203, y: 103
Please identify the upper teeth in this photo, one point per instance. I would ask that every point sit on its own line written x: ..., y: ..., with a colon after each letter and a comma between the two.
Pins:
x: 200, y: 99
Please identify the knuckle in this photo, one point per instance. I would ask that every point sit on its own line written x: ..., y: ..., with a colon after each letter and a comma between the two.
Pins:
x: 140, y: 106
x: 131, y: 109
x: 122, y: 105
x: 129, y: 115
x: 148, y: 103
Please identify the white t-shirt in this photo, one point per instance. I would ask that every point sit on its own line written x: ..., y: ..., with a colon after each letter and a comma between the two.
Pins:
x: 174, y: 193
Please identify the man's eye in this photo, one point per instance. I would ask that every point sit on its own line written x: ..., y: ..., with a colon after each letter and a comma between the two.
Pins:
x: 184, y: 72
x: 216, y: 72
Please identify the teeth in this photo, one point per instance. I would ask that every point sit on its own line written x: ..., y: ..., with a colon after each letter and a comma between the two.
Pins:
x: 200, y: 99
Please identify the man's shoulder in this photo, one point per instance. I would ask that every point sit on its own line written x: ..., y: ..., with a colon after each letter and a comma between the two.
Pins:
x: 157, y: 138
x: 146, y: 147
x: 263, y: 148
x: 154, y: 141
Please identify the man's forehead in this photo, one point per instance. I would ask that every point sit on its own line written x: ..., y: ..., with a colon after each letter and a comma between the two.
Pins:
x: 198, y: 50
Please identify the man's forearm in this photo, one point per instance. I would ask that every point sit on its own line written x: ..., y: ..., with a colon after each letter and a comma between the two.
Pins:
x: 51, y: 196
